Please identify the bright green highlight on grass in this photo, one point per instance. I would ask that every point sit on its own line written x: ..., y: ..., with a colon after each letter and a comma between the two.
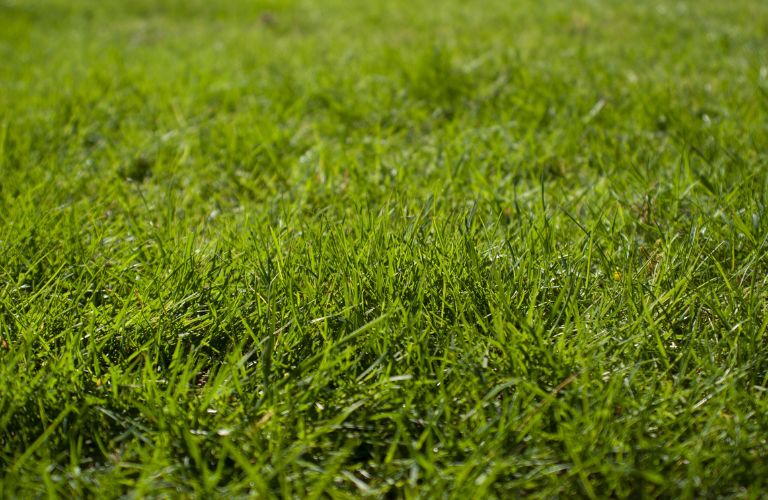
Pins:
x: 413, y: 248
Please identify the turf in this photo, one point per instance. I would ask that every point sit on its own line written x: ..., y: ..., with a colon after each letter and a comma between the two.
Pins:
x: 390, y: 248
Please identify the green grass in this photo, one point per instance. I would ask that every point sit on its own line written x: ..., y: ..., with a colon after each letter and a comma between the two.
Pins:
x: 395, y: 248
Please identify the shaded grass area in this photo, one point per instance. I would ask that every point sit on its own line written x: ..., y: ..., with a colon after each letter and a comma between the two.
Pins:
x: 401, y: 248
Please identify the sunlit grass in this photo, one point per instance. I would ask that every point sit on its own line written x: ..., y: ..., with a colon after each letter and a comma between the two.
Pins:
x: 391, y: 248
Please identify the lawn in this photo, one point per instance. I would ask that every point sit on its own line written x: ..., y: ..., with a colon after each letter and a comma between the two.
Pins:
x: 394, y: 248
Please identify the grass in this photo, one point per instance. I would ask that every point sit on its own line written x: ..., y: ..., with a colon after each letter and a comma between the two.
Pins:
x: 388, y: 248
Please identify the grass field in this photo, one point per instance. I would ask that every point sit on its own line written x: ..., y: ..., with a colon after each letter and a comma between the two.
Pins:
x: 390, y: 248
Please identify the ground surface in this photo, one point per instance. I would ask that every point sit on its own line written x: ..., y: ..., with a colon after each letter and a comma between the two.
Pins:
x: 390, y: 247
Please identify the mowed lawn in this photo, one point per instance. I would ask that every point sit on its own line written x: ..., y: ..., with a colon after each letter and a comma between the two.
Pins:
x: 394, y: 248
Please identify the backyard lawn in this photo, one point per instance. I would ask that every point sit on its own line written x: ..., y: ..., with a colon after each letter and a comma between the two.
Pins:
x: 434, y: 249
